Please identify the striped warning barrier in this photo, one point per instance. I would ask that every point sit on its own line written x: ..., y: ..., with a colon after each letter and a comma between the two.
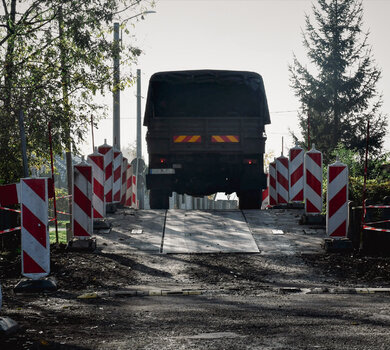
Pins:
x: 370, y: 228
x: 313, y: 182
x: 337, y: 200
x: 62, y: 212
x: 117, y: 176
x: 272, y: 183
x: 8, y: 209
x: 10, y: 229
x: 124, y: 180
x: 82, y: 201
x: 98, y: 199
x: 377, y: 222
x: 282, y: 180
x: 129, y: 185
x: 377, y: 206
x: 62, y: 197
x: 34, y: 228
x: 296, y: 181
x: 9, y: 194
x: 108, y: 153
x: 134, y: 200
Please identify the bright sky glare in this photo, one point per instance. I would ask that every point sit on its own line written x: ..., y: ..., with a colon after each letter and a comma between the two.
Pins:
x: 252, y: 35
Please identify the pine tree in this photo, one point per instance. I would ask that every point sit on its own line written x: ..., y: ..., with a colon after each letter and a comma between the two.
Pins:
x: 340, y: 96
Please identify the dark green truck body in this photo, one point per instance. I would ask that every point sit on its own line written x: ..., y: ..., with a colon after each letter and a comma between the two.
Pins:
x: 206, y: 135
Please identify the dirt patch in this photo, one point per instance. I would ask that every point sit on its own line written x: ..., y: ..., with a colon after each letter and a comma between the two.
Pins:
x: 352, y: 269
x: 41, y: 316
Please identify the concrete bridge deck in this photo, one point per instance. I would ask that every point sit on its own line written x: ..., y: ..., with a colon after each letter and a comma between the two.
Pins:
x: 177, y: 231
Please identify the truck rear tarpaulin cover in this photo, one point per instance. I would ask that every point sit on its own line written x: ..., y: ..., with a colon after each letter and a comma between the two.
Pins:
x: 224, y: 94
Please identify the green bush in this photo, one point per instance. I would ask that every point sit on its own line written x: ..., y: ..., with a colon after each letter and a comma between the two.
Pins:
x: 375, y: 190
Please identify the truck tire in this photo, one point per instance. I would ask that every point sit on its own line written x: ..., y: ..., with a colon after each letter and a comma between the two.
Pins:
x: 250, y: 199
x: 158, y: 199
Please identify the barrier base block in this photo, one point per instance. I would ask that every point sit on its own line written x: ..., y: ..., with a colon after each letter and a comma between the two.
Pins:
x: 101, y: 226
x: 313, y: 220
x: 343, y: 245
x: 36, y: 286
x: 296, y: 205
x: 7, y: 326
x: 110, y: 208
x: 279, y: 206
x: 82, y: 244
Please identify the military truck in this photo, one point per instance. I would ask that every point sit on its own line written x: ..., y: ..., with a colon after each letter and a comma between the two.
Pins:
x: 206, y: 135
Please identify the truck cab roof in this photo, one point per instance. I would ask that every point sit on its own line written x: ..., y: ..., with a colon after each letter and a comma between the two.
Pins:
x: 206, y: 93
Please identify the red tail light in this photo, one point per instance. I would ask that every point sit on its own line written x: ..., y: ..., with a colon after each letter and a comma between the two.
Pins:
x: 250, y: 161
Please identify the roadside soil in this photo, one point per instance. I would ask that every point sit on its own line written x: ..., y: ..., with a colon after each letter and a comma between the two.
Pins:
x: 76, y: 273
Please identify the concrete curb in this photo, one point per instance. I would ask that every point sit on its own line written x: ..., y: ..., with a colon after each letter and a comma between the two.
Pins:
x: 289, y: 290
x: 189, y: 292
x: 140, y: 293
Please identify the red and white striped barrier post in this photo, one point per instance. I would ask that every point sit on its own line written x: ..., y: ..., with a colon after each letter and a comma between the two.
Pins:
x: 35, y: 231
x: 108, y: 153
x: 129, y: 185
x: 337, y: 201
x: 282, y: 180
x: 313, y: 182
x: 98, y: 199
x: 117, y: 176
x: 124, y: 180
x: 296, y: 159
x: 10, y: 194
x: 134, y: 201
x: 272, y: 184
x: 82, y: 201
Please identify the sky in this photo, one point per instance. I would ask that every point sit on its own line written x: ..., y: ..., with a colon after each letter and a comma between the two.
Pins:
x: 250, y: 35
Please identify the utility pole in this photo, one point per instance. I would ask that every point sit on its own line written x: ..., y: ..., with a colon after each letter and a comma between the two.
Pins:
x: 116, y: 91
x: 139, y: 136
x: 66, y: 107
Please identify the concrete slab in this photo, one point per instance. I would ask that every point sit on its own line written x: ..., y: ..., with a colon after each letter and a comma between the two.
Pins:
x: 293, y: 238
x: 207, y: 232
x: 133, y: 230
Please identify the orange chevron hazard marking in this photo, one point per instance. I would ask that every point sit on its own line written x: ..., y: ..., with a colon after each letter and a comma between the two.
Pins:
x: 187, y: 139
x: 225, y: 138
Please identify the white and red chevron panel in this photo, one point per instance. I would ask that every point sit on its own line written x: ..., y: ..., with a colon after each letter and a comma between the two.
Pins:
x: 35, y: 233
x: 337, y: 201
x: 296, y: 180
x: 82, y: 223
x: 134, y: 191
x: 117, y: 176
x: 129, y: 186
x: 282, y: 180
x: 124, y: 180
x: 98, y: 199
x: 108, y: 153
x: 272, y: 183
x: 313, y: 182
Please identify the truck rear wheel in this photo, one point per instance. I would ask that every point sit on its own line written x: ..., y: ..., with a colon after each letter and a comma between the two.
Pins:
x: 159, y: 199
x: 250, y: 199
